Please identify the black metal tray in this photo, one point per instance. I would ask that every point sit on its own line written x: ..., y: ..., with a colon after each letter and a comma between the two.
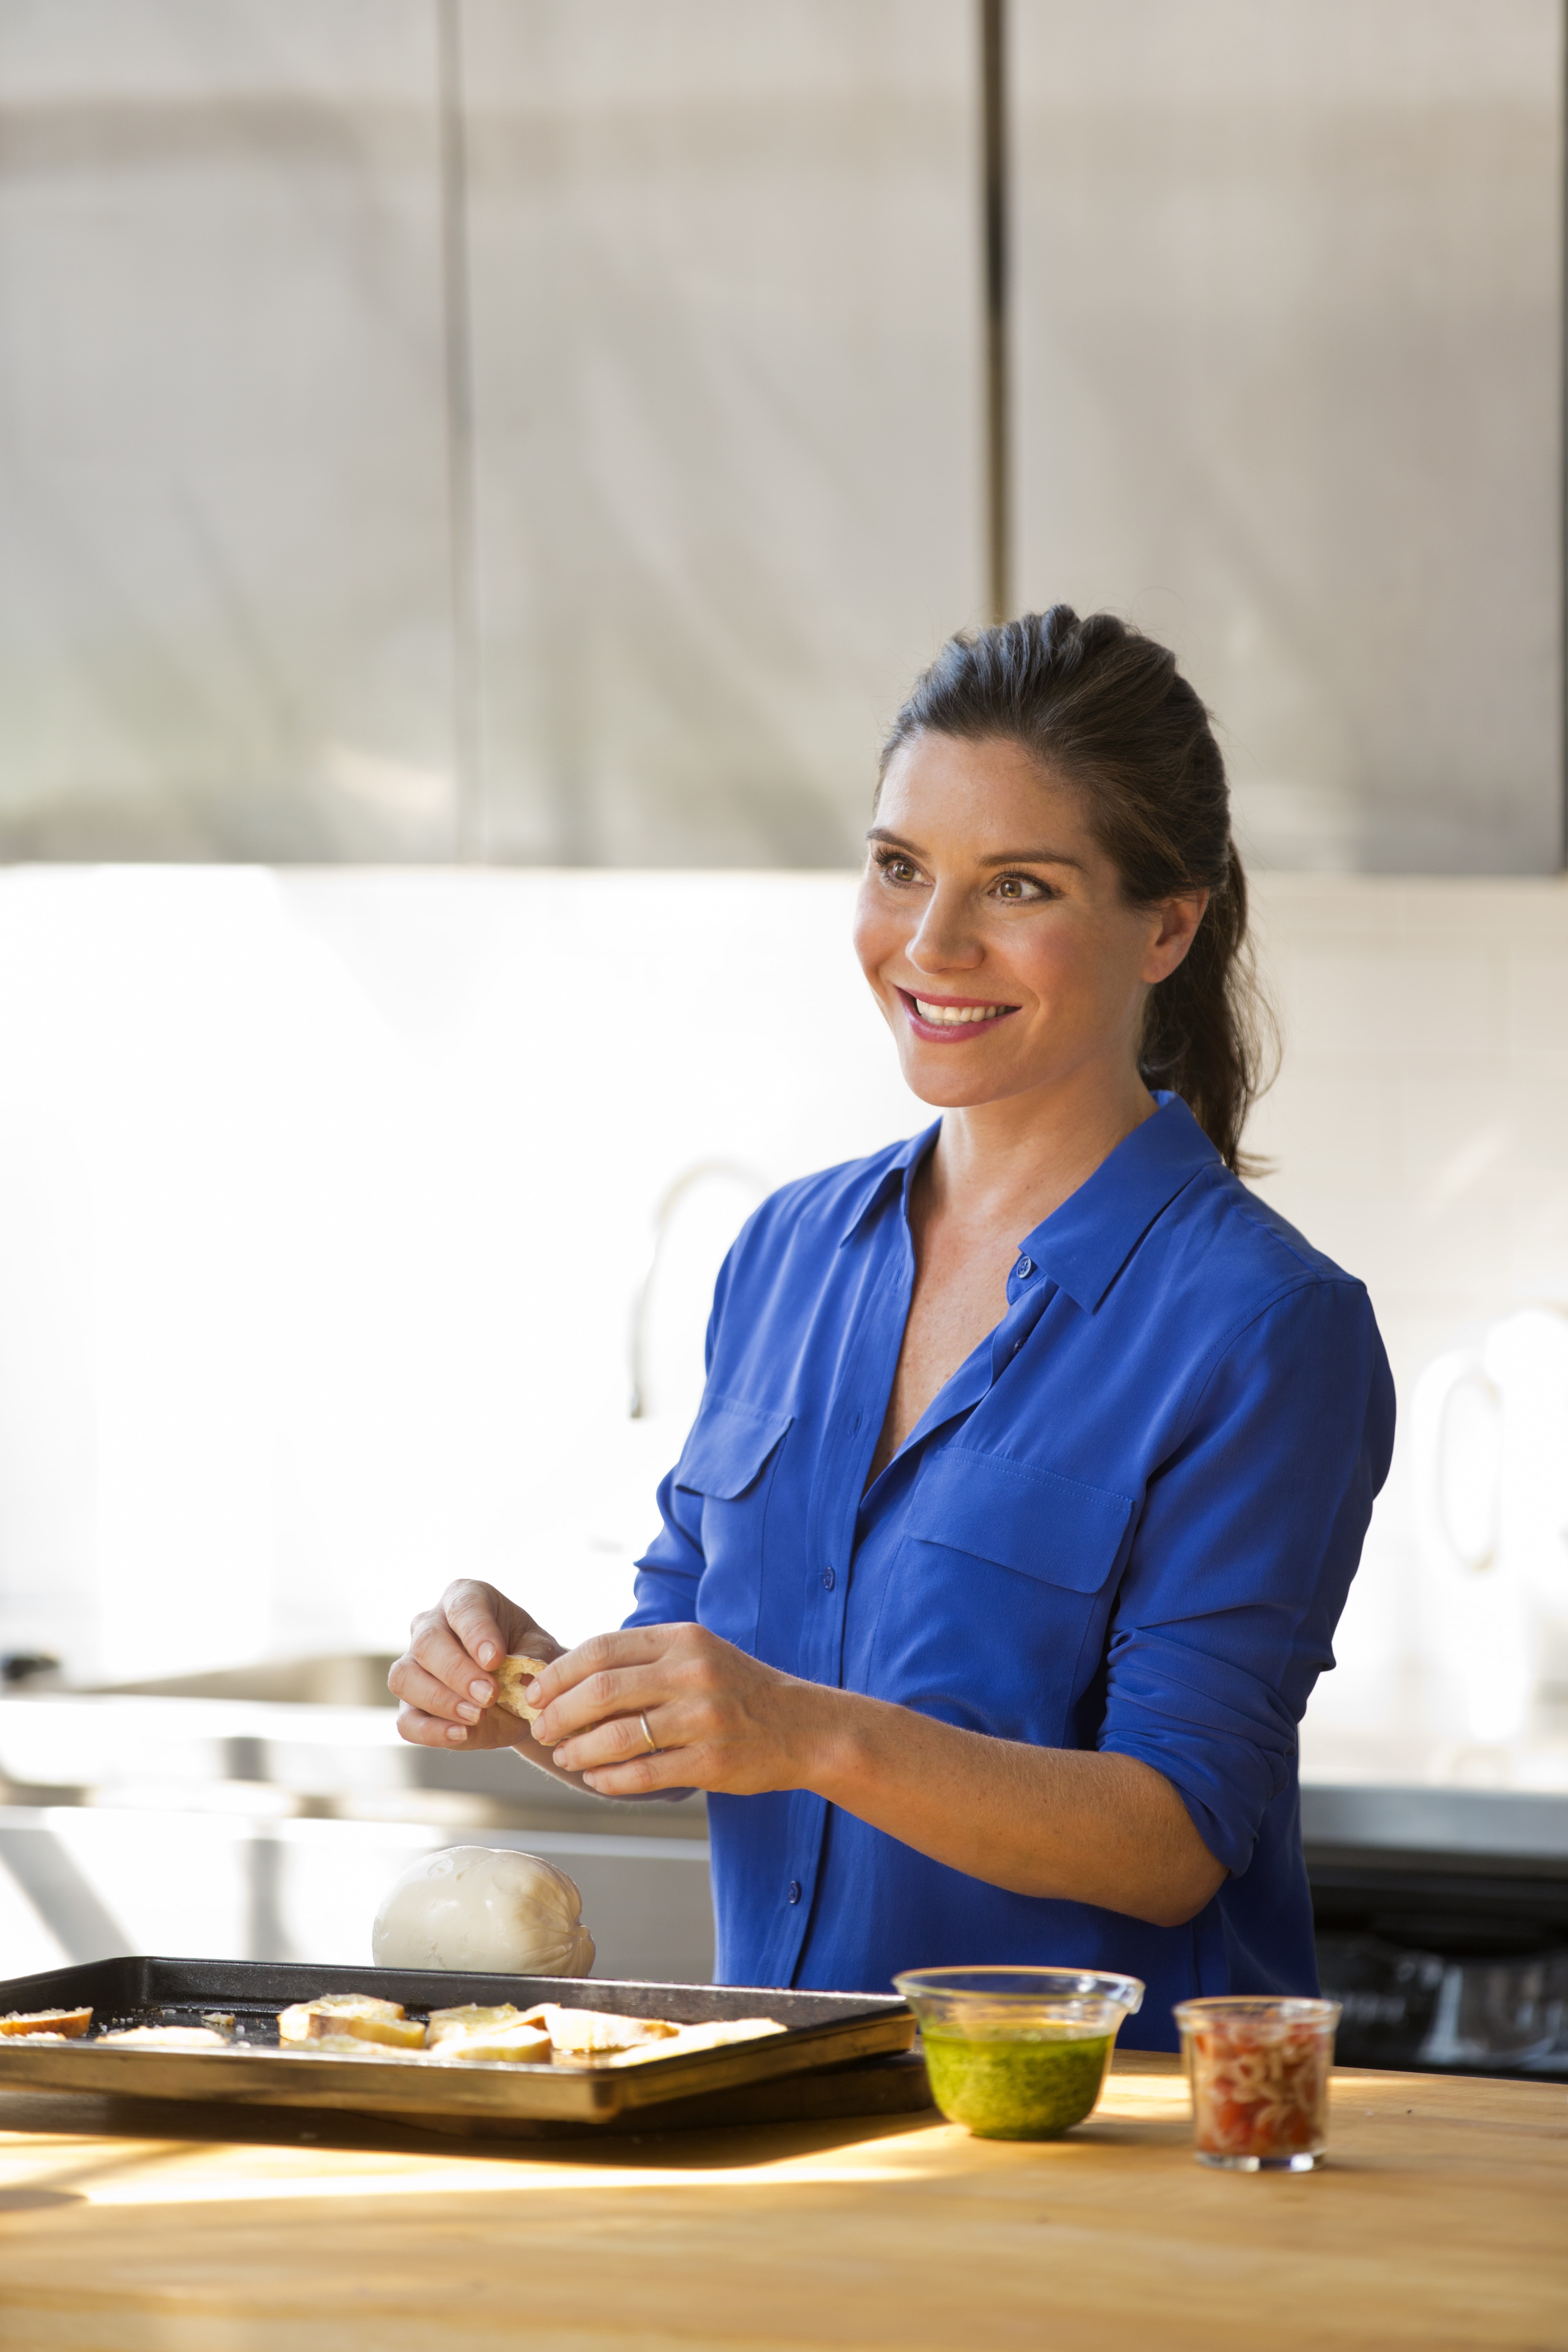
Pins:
x: 834, y: 2031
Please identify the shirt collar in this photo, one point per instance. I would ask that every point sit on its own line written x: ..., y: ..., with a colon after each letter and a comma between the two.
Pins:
x: 896, y: 1173
x: 1082, y: 1246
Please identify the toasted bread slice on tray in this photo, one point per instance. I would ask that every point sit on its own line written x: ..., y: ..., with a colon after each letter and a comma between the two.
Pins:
x: 391, y: 2033
x: 447, y: 2023
x: 498, y: 2045
x: 295, y: 2024
x: 59, y: 2024
x: 717, y: 2033
x: 583, y: 2032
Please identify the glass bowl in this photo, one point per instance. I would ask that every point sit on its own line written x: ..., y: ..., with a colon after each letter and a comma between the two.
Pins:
x: 1258, y: 2067
x: 1017, y: 2054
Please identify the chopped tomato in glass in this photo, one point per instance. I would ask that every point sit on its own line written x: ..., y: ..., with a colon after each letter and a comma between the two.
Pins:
x: 1260, y: 2088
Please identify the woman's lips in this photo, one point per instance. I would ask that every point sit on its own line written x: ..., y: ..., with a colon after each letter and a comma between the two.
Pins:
x: 952, y: 1020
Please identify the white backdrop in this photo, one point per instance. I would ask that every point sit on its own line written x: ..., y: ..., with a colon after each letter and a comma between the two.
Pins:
x: 325, y: 1201
x: 324, y: 1204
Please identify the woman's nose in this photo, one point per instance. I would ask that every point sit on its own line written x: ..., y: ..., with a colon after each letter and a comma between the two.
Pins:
x: 945, y: 941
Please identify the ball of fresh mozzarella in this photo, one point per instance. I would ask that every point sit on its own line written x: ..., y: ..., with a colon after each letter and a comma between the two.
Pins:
x: 484, y: 1909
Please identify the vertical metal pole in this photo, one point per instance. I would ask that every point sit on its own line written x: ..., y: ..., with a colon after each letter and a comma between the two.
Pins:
x: 994, y: 154
x: 468, y: 727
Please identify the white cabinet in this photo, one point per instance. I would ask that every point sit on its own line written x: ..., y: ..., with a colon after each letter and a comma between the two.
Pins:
x: 1287, y: 313
x: 725, y: 272
x: 224, y: 625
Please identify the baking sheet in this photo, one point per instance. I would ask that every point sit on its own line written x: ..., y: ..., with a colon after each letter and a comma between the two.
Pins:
x: 822, y: 2031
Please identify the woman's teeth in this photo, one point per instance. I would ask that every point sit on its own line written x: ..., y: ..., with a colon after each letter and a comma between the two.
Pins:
x: 948, y: 1016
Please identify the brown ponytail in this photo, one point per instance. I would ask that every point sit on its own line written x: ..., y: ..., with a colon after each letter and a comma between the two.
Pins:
x: 1107, y: 711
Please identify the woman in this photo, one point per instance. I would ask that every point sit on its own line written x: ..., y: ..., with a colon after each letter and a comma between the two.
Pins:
x: 1036, y: 1453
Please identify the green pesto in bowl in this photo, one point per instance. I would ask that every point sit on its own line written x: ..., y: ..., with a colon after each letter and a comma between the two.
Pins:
x: 1032, y: 2086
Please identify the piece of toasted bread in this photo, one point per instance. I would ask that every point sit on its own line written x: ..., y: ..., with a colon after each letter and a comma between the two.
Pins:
x: 445, y: 2023
x: 512, y: 1677
x: 717, y: 2033
x: 581, y: 2033
x: 395, y: 2032
x: 498, y: 2045
x: 294, y: 2024
x: 64, y: 2024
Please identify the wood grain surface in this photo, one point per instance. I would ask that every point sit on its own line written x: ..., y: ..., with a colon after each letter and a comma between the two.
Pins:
x: 1440, y: 2221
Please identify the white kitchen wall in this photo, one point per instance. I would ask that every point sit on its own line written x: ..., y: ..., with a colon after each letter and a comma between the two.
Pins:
x: 326, y: 1199
x: 1420, y: 1135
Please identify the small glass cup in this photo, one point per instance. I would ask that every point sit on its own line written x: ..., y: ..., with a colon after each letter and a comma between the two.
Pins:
x: 1258, y: 2068
x: 1017, y: 2054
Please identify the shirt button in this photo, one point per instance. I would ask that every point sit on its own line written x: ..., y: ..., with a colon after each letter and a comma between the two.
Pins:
x: 1023, y: 1269
x: 829, y: 1580
x: 795, y: 1890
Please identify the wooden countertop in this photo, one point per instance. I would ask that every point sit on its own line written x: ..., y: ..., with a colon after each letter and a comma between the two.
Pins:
x: 1441, y: 2222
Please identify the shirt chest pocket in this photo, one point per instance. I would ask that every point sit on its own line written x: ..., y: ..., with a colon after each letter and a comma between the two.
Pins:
x: 995, y: 1610
x: 731, y: 1461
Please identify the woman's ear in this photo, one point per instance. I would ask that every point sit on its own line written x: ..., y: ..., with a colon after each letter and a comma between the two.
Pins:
x: 1178, y: 928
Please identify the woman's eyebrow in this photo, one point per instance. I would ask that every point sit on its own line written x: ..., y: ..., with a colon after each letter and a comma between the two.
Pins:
x: 1004, y: 858
x: 1035, y: 857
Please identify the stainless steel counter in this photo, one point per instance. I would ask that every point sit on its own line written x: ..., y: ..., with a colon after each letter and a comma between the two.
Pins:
x: 1495, y: 1828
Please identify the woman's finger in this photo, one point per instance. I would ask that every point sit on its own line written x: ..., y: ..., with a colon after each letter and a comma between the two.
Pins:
x: 682, y: 1726
x: 643, y: 1776
x: 602, y: 1652
x: 434, y: 1650
x: 410, y: 1682
x: 431, y: 1730
x: 617, y: 1742
x: 428, y: 1729
x: 612, y: 1691
x: 470, y: 1610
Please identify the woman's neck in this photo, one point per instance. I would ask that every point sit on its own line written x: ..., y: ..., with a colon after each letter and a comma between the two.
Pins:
x: 1013, y: 1162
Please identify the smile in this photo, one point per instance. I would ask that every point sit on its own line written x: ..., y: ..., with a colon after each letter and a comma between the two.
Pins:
x: 950, y: 1017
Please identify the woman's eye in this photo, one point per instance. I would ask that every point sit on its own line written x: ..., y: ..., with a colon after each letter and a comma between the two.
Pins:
x: 897, y: 869
x: 1018, y: 889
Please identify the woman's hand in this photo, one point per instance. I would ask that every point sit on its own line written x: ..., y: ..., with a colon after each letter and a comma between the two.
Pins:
x: 441, y: 1678
x: 718, y: 1719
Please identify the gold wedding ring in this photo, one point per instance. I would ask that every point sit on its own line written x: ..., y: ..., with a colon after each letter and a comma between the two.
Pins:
x: 652, y: 1742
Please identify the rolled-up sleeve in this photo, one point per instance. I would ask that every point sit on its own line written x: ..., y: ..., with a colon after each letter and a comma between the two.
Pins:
x: 1243, y: 1555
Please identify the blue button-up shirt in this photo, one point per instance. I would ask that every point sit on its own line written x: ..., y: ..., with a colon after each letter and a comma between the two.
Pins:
x: 1128, y: 1522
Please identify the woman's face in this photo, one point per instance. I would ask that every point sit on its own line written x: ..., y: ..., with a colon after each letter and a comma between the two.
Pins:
x: 993, y: 930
